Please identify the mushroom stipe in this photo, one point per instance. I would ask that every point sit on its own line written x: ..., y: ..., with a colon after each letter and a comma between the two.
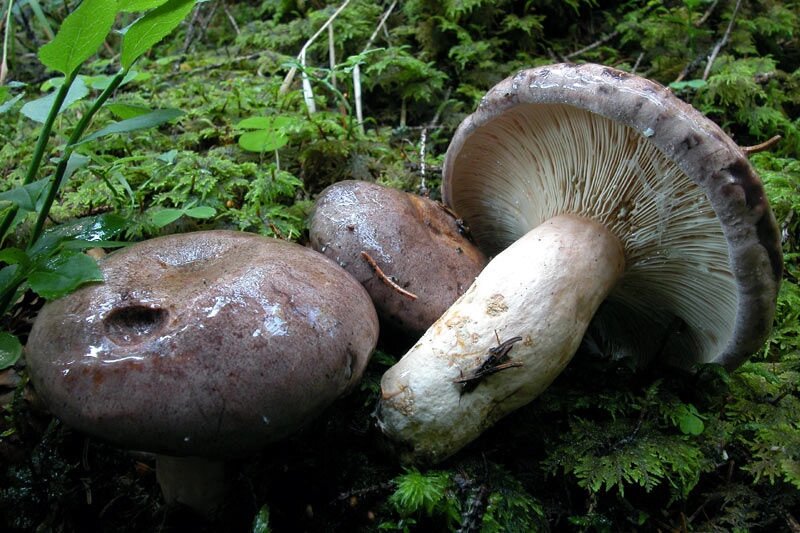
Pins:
x: 613, y: 210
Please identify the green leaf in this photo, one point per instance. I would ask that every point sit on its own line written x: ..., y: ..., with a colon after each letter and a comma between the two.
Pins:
x: 201, y: 212
x: 261, y: 521
x: 162, y: 217
x: 10, y: 350
x: 125, y: 111
x: 151, y: 28
x: 63, y: 275
x: 262, y: 140
x: 80, y: 35
x: 689, y: 421
x: 148, y: 120
x: 39, y: 109
x: 13, y: 256
x: 139, y: 5
x: 27, y: 196
x: 97, y: 229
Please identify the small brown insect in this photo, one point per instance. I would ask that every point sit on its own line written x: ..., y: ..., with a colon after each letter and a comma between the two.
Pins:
x: 496, y: 360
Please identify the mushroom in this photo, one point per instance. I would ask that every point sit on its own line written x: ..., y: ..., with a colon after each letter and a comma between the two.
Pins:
x: 202, y: 347
x: 409, y: 252
x: 613, y: 207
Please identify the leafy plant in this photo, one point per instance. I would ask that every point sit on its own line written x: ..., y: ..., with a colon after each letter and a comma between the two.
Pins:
x: 51, y: 264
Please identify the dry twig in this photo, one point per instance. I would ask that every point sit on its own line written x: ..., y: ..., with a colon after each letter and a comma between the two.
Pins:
x: 308, y: 94
x: 722, y: 42
x: 601, y: 41
x: 357, y: 67
x: 386, y: 279
x: 761, y: 147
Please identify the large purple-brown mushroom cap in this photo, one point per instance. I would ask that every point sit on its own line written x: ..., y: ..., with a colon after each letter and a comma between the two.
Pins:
x: 205, y: 344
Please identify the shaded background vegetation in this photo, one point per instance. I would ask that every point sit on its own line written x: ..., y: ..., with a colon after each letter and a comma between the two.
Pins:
x: 604, y: 449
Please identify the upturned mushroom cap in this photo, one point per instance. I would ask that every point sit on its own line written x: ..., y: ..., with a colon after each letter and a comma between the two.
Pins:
x: 701, y: 245
x: 412, y: 239
x: 208, y: 343
x: 631, y: 215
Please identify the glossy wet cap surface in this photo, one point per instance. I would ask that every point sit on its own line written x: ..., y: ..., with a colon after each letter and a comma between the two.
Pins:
x: 413, y: 240
x: 207, y: 343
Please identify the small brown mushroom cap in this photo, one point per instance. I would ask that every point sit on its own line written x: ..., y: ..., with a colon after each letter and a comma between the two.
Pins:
x: 208, y: 343
x: 702, y: 246
x: 412, y: 239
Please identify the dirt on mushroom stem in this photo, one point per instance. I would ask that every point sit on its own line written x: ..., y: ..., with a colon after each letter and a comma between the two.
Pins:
x: 545, y: 288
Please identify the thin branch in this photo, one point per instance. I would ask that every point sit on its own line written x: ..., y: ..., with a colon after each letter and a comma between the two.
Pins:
x: 722, y: 42
x: 386, y: 279
x: 357, y: 68
x: 230, y: 18
x: 3, y: 61
x: 702, y: 20
x: 766, y: 145
x: 638, y: 61
x: 332, y: 55
x: 599, y: 42
x: 287, y: 81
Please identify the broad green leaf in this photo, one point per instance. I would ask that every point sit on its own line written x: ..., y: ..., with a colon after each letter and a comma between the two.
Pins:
x: 96, y: 228
x: 126, y: 111
x: 85, y: 245
x: 4, y: 93
x: 26, y: 197
x: 139, y: 5
x: 201, y: 212
x: 148, y: 120
x: 39, y: 109
x: 262, y: 140
x: 10, y: 350
x: 151, y: 28
x: 255, y: 123
x: 80, y: 35
x: 162, y: 217
x: 14, y: 256
x: 63, y: 275
x: 277, y: 123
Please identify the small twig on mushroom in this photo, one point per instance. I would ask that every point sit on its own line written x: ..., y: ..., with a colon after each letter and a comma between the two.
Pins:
x: 722, y: 42
x: 761, y: 147
x: 496, y: 360
x: 601, y: 41
x: 386, y: 279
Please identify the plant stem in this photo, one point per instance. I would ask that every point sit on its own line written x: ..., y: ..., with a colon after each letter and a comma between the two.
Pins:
x: 41, y: 144
x: 77, y: 133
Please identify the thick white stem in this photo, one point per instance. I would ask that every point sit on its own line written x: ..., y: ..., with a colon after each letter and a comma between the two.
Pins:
x: 545, y: 289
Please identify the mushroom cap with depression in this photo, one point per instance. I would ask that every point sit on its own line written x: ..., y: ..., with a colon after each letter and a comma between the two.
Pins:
x: 410, y: 238
x: 701, y: 246
x: 208, y: 343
